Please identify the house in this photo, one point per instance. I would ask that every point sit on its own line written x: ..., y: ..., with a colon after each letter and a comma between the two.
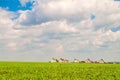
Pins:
x: 76, y: 61
x: 101, y: 61
x: 82, y: 61
x: 110, y: 62
x: 61, y: 60
x: 88, y: 61
x: 65, y: 60
x: 53, y: 60
x: 95, y: 62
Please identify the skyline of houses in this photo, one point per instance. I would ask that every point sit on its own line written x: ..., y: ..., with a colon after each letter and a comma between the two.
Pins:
x: 61, y: 60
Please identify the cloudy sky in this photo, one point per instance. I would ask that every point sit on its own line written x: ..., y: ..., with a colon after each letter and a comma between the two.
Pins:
x: 37, y: 30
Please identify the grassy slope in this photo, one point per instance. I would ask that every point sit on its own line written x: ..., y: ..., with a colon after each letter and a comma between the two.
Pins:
x: 58, y: 71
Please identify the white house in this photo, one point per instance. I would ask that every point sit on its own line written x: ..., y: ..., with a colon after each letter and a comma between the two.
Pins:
x: 76, y: 61
x: 88, y: 61
x: 53, y: 60
x: 101, y: 61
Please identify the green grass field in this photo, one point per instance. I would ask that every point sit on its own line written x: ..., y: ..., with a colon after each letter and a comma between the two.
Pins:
x: 58, y: 71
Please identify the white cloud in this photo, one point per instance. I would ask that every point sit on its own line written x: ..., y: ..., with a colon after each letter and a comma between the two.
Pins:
x: 61, y: 26
x: 23, y: 2
x: 12, y: 46
x: 58, y: 26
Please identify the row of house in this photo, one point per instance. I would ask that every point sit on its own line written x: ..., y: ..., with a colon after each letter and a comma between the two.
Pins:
x: 90, y: 61
x: 76, y: 61
x: 59, y: 60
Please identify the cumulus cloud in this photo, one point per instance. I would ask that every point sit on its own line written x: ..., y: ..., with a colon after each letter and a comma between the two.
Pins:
x: 23, y: 2
x: 61, y: 26
x: 72, y: 10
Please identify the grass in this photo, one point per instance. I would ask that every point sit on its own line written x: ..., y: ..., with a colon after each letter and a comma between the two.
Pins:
x: 58, y: 71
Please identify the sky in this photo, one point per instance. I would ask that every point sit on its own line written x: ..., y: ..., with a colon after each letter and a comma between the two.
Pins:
x: 38, y: 30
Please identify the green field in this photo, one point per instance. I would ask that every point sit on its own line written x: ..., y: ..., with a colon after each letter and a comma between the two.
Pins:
x: 58, y: 71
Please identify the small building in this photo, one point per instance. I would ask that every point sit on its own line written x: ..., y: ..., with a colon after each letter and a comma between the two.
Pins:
x: 82, y: 61
x: 110, y: 62
x: 88, y: 61
x: 66, y: 60
x: 76, y: 61
x: 61, y: 60
x: 95, y: 62
x: 53, y: 60
x: 101, y: 61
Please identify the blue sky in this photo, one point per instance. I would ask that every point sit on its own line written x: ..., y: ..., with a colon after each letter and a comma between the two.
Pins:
x: 116, y: 29
x: 37, y: 30
x: 14, y: 5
